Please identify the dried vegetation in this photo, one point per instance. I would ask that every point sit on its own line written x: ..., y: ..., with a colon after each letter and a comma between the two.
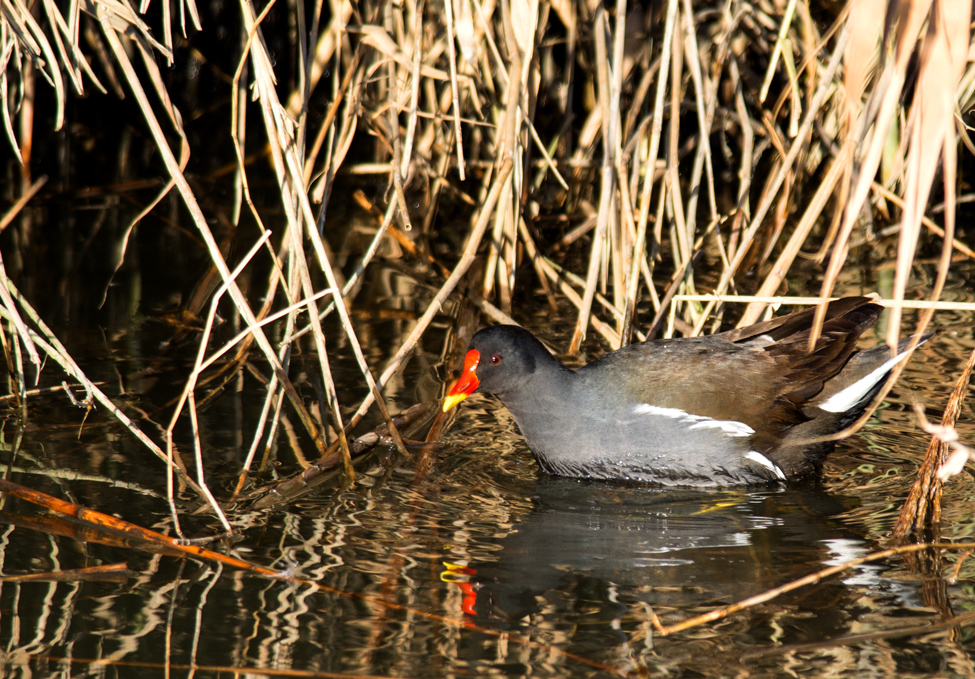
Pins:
x: 634, y: 137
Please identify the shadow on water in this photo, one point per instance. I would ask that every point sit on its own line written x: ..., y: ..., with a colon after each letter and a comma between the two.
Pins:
x: 679, y: 548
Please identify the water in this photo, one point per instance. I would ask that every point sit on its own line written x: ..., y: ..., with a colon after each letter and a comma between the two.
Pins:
x: 483, y: 567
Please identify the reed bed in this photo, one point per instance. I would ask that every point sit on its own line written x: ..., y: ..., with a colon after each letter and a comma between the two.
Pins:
x: 635, y: 138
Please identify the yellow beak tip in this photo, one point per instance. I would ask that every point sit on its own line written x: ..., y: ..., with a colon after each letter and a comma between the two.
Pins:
x: 452, y: 400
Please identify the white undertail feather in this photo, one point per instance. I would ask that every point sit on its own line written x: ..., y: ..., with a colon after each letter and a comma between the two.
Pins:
x: 849, y: 397
x: 756, y: 456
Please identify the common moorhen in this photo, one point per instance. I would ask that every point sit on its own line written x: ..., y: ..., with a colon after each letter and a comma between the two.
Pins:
x: 734, y: 408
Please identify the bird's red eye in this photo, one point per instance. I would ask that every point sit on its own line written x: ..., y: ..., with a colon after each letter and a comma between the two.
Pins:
x: 495, y: 359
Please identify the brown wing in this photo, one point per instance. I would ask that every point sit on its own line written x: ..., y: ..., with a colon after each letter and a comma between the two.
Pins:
x: 761, y: 375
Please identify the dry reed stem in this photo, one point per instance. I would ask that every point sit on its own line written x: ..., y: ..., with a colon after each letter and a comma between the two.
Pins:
x: 454, y: 96
x: 190, y: 201
x: 30, y: 37
x: 927, y: 132
x: 922, y: 508
x: 763, y: 207
x: 156, y: 79
x: 288, y: 168
x: 188, y: 397
x: 286, y: 490
x: 943, y: 57
x: 782, y: 38
x: 621, y: 233
x: 786, y: 299
x: 53, y: 348
x: 19, y: 204
x: 72, y: 59
x: 783, y: 263
x: 327, y: 127
x: 705, y: 101
x: 272, y: 400
x: 649, y: 169
x: 609, y: 93
x: 23, y: 337
x: 811, y: 579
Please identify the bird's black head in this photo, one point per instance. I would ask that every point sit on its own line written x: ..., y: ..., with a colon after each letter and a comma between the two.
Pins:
x: 500, y: 358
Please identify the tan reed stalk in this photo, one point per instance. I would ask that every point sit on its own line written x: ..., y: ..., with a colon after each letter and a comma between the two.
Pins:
x: 774, y: 185
x: 53, y: 349
x: 945, y: 72
x: 609, y: 103
x: 649, y: 170
x: 705, y: 101
x: 467, y: 258
x: 454, y: 96
x: 783, y: 263
x: 188, y: 396
x: 191, y: 203
x: 813, y: 578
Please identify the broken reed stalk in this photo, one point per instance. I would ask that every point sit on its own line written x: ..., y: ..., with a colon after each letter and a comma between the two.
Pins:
x: 291, y: 488
x: 53, y: 349
x: 923, y: 505
x: 811, y: 579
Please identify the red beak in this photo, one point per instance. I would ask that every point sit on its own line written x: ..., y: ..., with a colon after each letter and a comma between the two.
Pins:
x: 468, y: 382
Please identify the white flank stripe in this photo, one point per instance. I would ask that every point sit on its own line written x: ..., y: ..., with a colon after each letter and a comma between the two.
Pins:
x: 765, y: 462
x: 729, y: 427
x: 843, y: 400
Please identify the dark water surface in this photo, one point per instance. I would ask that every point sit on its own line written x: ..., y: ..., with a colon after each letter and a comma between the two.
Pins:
x: 494, y: 569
